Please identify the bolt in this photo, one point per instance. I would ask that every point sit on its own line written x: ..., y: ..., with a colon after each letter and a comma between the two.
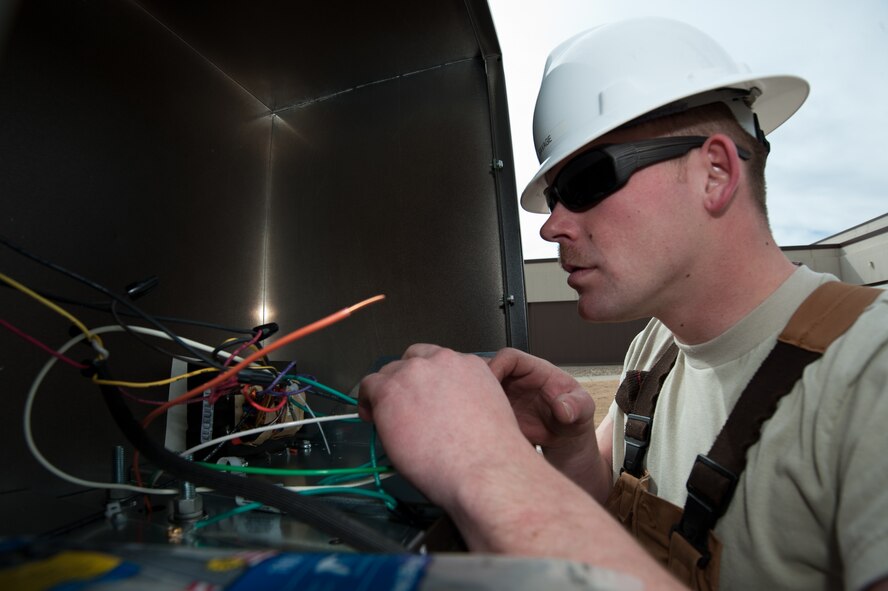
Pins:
x: 118, y: 468
x: 188, y: 506
x: 118, y: 473
x: 188, y: 487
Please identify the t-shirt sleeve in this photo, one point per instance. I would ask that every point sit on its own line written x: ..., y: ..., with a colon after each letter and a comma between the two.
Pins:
x: 862, y: 459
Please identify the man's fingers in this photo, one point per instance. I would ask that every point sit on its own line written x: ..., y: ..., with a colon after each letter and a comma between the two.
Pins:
x: 506, y: 363
x: 573, y: 408
x: 420, y: 350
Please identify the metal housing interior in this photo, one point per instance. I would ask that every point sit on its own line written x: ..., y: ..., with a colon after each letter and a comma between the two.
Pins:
x: 268, y: 161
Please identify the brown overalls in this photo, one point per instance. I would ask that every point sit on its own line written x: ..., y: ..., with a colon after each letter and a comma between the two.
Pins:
x: 684, y: 540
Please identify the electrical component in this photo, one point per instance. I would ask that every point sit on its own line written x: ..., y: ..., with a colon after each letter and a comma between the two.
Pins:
x: 270, y: 406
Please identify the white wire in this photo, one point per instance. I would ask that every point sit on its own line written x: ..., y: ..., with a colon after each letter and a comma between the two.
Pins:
x: 160, y: 334
x: 41, y: 375
x: 32, y: 445
x: 320, y: 428
x: 264, y: 428
x: 353, y: 484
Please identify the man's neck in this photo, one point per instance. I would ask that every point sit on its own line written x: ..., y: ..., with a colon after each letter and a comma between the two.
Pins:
x: 725, y: 295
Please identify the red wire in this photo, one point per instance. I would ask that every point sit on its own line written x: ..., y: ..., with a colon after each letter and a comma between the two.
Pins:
x: 242, y: 347
x: 47, y: 348
x: 261, y: 408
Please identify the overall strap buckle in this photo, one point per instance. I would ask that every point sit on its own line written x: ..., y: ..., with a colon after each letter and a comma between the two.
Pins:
x: 637, y: 438
x: 710, y: 489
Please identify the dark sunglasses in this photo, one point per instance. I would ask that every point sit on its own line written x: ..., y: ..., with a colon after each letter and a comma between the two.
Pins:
x: 593, y: 176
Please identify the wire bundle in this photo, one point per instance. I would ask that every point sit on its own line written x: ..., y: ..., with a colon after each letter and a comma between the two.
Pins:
x: 280, y: 397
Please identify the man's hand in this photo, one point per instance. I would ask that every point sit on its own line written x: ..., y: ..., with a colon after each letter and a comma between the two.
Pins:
x: 444, y: 420
x: 552, y: 409
x: 555, y: 412
x: 450, y: 429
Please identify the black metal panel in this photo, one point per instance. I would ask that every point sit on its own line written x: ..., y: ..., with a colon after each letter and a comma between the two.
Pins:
x: 286, y: 53
x: 514, y: 294
x: 136, y: 139
x: 388, y: 190
x: 121, y: 156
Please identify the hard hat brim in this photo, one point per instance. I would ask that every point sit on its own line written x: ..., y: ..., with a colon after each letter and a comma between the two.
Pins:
x: 781, y: 96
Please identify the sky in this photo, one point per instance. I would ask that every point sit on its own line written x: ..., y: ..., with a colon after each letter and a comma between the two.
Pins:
x: 828, y: 167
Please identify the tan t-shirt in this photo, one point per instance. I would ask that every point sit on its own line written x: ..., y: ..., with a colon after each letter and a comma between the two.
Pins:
x: 811, y: 508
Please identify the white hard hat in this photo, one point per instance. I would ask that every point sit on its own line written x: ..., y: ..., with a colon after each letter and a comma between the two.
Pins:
x: 613, y: 74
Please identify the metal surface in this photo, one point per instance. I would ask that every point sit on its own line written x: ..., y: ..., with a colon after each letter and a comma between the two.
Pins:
x: 267, y: 162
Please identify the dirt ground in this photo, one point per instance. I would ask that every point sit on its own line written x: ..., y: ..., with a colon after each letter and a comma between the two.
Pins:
x: 602, y: 392
x: 601, y: 382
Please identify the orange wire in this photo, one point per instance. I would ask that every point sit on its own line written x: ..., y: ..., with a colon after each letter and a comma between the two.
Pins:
x: 289, y: 338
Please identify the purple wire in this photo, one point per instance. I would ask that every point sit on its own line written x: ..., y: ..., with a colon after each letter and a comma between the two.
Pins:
x: 279, y: 377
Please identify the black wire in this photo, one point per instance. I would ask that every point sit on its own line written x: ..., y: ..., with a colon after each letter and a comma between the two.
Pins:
x: 226, y: 344
x: 106, y: 307
x: 306, y: 509
x: 115, y: 312
x: 102, y: 289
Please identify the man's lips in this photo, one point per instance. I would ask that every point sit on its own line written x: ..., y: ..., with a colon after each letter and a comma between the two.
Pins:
x: 568, y: 267
x: 576, y: 273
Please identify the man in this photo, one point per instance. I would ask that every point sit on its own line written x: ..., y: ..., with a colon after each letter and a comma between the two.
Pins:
x: 652, y: 149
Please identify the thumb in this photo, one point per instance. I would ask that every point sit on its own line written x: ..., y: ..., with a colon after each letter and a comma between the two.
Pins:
x: 573, y: 407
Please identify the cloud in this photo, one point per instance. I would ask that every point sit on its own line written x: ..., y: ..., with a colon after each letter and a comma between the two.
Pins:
x: 828, y: 170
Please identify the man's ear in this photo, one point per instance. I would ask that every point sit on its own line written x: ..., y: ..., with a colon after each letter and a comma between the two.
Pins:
x: 723, y: 170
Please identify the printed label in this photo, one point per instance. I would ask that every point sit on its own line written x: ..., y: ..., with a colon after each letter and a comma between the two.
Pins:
x: 335, y: 572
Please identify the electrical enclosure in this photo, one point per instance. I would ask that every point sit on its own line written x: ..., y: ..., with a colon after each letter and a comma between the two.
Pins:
x: 267, y: 161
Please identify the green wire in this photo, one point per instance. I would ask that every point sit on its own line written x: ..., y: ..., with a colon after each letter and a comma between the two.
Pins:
x: 305, y: 409
x: 391, y: 505
x: 330, y: 490
x: 332, y: 474
x: 326, y: 389
x: 344, y: 478
x: 227, y: 515
x: 389, y: 500
x: 292, y: 472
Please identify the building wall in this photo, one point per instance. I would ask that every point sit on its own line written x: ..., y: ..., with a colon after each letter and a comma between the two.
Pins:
x: 557, y: 333
x: 858, y: 255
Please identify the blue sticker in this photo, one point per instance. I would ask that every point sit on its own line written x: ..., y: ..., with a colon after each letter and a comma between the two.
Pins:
x: 335, y: 572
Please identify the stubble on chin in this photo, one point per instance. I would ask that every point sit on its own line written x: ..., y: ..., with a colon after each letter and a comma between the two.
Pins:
x: 568, y: 255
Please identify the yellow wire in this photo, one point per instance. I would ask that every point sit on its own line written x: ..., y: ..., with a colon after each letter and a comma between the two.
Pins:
x: 58, y: 309
x: 150, y: 384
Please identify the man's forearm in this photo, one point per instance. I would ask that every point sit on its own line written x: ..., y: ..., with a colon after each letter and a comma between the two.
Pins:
x: 585, y: 468
x: 548, y: 515
x: 588, y: 464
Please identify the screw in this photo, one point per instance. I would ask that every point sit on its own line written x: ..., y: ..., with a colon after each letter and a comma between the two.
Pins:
x: 118, y: 467
x: 188, y: 487
x: 118, y: 473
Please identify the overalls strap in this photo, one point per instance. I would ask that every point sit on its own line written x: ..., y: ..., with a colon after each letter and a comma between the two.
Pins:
x: 694, y: 555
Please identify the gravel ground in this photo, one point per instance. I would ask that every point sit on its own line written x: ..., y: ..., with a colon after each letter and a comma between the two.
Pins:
x: 601, y: 381
x: 593, y: 371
